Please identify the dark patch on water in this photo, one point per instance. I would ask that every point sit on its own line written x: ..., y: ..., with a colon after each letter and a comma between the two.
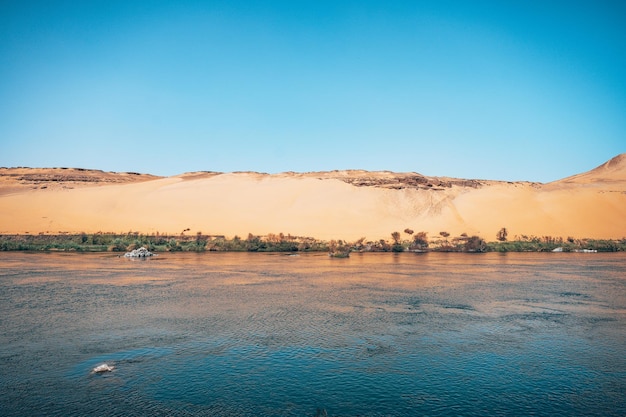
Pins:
x: 458, y: 307
x: 538, y: 315
x: 575, y: 295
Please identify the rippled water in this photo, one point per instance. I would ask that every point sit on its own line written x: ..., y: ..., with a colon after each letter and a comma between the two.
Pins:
x: 230, y: 334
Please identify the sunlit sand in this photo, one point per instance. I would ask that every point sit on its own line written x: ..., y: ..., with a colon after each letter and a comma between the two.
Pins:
x: 327, y: 205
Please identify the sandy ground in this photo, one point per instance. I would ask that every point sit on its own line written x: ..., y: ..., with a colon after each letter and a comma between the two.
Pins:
x: 327, y: 205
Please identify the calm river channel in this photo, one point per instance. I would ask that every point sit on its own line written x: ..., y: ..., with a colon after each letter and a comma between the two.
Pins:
x: 251, y: 334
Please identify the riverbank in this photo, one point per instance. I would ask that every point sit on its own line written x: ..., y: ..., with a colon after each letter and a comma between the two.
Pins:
x: 111, y: 242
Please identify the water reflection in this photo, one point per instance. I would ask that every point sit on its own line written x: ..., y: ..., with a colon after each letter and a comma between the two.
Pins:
x: 270, y: 334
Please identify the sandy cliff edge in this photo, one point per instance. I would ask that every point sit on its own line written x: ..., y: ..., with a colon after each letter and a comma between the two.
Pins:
x: 325, y: 205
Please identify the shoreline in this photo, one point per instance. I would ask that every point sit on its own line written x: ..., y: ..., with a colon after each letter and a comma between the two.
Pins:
x: 280, y: 243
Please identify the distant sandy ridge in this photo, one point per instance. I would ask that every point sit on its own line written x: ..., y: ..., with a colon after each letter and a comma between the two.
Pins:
x: 325, y: 205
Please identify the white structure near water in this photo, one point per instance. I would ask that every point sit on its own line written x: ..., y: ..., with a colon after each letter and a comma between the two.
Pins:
x: 138, y: 253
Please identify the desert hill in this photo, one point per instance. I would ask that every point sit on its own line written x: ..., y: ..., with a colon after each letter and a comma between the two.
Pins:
x: 611, y: 171
x: 325, y: 205
x: 20, y: 179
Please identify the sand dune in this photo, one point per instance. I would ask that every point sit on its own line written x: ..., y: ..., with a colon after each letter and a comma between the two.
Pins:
x: 325, y: 205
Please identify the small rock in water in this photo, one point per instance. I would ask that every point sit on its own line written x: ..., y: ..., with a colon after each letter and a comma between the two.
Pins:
x: 102, y: 368
x: 138, y: 253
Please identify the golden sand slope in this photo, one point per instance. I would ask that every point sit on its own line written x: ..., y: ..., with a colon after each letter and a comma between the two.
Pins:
x: 326, y: 205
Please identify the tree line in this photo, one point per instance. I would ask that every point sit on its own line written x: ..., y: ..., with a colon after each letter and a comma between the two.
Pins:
x: 408, y: 241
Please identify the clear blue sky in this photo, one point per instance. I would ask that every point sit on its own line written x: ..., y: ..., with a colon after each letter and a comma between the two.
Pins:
x: 510, y: 90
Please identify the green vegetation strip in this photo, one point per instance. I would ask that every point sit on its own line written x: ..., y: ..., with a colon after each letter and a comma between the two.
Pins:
x: 110, y: 242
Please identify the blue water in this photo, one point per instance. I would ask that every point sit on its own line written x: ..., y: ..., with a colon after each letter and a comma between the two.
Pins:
x: 275, y: 335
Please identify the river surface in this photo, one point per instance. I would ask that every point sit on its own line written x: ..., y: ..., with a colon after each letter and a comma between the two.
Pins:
x: 245, y: 334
